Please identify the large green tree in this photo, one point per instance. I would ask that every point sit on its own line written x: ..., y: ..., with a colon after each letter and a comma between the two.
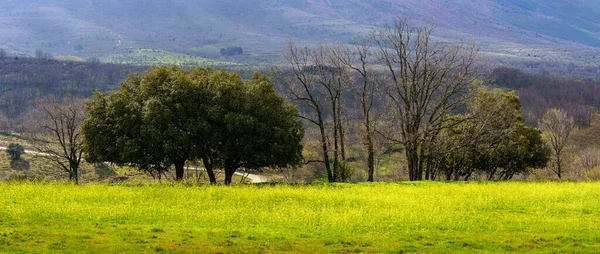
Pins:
x: 168, y: 116
x: 254, y: 127
x: 149, y: 122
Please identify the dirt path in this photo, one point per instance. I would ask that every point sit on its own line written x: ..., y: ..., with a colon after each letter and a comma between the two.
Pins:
x: 254, y: 178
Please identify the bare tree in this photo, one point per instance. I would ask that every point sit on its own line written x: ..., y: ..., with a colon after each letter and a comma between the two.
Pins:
x: 61, y: 125
x: 41, y: 55
x: 589, y: 159
x: 333, y: 80
x: 318, y: 81
x: 557, y: 127
x: 367, y: 84
x: 429, y: 80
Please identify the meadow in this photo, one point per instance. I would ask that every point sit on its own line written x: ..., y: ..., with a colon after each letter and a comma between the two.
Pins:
x: 560, y: 217
x: 153, y: 57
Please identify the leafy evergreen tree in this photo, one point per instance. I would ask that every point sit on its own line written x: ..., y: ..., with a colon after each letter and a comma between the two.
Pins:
x: 168, y: 116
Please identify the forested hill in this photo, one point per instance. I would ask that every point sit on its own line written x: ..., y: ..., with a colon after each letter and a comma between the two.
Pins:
x: 23, y: 81
x: 523, y: 30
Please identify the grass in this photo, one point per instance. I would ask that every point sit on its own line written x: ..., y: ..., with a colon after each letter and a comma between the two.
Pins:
x: 152, y: 57
x: 392, y: 217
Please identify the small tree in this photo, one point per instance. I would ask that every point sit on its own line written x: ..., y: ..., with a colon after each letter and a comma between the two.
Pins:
x: 491, y: 139
x: 15, y: 151
x: 366, y: 84
x: 557, y: 127
x: 319, y: 77
x: 60, y: 125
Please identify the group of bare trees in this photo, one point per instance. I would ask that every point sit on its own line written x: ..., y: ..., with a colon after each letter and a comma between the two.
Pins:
x: 319, y: 80
x: 25, y: 80
x: 402, y: 76
x: 539, y: 93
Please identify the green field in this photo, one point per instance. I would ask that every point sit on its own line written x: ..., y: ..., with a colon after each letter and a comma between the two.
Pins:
x: 153, y: 57
x: 382, y: 217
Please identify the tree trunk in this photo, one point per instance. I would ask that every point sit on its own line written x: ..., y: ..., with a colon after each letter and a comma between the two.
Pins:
x: 370, y: 156
x: 179, y: 169
x: 491, y: 176
x: 74, y: 171
x: 413, y: 162
x: 341, y: 134
x: 429, y: 175
x: 421, y: 163
x: 326, y: 153
x: 448, y: 175
x: 558, y: 165
x: 209, y: 169
x: 429, y: 169
x: 336, y: 149
x: 229, y: 172
x: 469, y: 175
x: 211, y: 175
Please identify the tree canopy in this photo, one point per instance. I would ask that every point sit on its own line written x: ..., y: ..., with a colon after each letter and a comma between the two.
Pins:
x: 168, y: 116
x: 491, y: 139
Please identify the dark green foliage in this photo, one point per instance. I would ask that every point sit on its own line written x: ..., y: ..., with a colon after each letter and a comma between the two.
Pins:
x: 491, y: 139
x: 15, y: 151
x: 145, y: 123
x: 523, y: 150
x: 232, y: 51
x: 167, y: 116
x: 256, y: 127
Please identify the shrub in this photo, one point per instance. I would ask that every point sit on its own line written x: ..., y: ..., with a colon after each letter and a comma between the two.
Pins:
x: 232, y: 51
x: 14, y: 151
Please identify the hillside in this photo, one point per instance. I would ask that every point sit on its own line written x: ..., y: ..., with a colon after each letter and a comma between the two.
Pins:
x: 508, y: 30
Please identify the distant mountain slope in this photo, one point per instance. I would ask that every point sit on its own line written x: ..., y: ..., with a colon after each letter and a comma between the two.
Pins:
x: 546, y: 29
x: 575, y: 20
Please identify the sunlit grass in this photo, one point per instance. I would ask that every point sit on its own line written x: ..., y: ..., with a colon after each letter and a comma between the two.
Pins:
x: 153, y: 57
x: 385, y: 217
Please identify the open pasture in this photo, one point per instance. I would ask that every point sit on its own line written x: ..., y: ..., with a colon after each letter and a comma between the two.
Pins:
x: 561, y: 217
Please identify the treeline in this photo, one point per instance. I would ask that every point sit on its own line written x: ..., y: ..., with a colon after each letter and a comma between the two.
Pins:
x: 395, y: 92
x: 432, y: 105
x: 399, y: 89
x: 25, y: 80
x: 580, y: 98
x: 167, y: 116
x: 572, y: 70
